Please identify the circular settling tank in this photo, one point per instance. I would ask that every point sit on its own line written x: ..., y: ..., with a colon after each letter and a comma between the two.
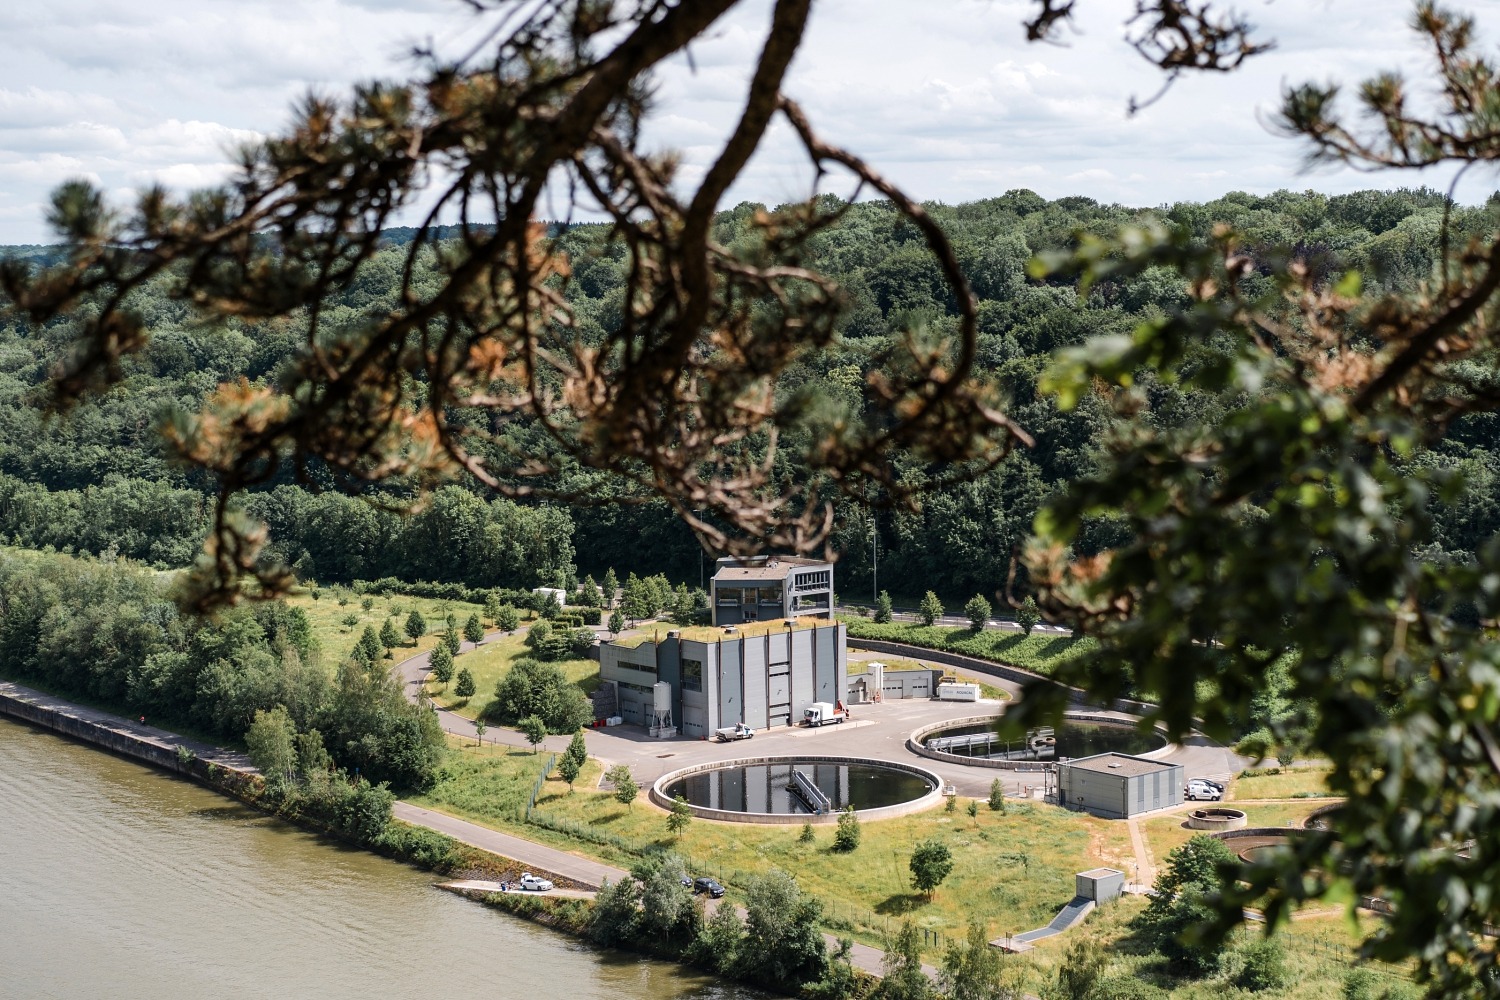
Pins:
x: 798, y: 787
x: 1071, y: 739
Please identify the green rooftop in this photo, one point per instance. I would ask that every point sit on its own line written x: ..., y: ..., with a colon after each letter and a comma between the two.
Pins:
x: 713, y: 633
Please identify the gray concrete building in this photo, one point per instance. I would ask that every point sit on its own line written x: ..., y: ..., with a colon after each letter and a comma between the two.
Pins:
x: 763, y: 678
x: 761, y: 588
x: 1117, y: 785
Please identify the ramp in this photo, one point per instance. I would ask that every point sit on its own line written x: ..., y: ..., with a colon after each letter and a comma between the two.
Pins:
x: 1069, y: 916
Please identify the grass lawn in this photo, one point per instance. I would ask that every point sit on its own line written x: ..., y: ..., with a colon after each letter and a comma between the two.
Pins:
x: 1281, y: 783
x: 490, y: 662
x: 1039, y: 652
x: 337, y: 639
x: 1163, y: 833
x: 1319, y: 954
x: 1012, y: 872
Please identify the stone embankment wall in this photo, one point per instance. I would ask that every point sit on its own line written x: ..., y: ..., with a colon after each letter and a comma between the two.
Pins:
x: 220, y: 769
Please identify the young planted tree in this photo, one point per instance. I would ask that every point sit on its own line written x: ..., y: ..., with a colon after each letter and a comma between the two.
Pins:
x: 491, y: 609
x: 507, y: 619
x: 846, y: 837
x: 997, y: 796
x: 931, y: 609
x: 616, y: 623
x: 350, y: 621
x: 568, y: 767
x: 978, y: 612
x: 416, y: 626
x: 883, y: 608
x: 931, y: 862
x: 611, y: 587
x: 479, y: 729
x: 680, y: 816
x: 368, y: 648
x: 625, y: 787
x: 534, y: 730
x: 465, y: 686
x: 389, y: 637
x: 1028, y: 615
x: 440, y: 662
x: 474, y: 630
x: 575, y: 757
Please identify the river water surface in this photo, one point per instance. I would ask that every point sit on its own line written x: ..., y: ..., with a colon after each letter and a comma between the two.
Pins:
x: 118, y: 881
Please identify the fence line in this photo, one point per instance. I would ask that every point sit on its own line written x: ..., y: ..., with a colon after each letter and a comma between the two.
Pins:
x: 541, y: 780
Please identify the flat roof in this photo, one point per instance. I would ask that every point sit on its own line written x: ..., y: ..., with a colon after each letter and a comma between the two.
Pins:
x: 738, y: 574
x: 1100, y: 873
x: 657, y: 631
x: 1119, y: 763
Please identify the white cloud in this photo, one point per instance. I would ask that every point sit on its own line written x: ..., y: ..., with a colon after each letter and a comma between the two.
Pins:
x: 946, y: 98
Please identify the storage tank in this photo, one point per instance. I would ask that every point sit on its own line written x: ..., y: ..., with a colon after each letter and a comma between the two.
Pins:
x: 661, y: 696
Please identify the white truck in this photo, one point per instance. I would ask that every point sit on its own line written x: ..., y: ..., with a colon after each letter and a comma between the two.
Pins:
x: 738, y: 731
x: 821, y: 713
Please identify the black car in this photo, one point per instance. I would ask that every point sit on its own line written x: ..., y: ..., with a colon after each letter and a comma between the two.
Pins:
x: 709, y: 886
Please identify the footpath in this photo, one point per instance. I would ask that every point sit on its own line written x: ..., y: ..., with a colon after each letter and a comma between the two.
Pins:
x: 183, y: 755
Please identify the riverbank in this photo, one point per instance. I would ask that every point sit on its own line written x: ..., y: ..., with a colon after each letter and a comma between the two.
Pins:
x: 233, y: 774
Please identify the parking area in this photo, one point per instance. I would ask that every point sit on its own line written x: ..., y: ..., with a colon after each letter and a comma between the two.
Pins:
x: 877, y: 731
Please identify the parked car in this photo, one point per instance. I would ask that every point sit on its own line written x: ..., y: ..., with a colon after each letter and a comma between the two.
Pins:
x: 1203, y: 790
x: 709, y: 886
x: 533, y: 883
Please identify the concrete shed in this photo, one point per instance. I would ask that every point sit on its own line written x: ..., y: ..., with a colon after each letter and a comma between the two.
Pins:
x: 1118, y: 786
x: 1099, y: 884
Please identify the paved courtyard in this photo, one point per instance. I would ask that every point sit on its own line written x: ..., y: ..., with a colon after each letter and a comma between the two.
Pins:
x: 878, y: 731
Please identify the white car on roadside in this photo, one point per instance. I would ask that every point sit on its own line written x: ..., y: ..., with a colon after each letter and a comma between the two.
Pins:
x: 1203, y: 790
x: 534, y: 884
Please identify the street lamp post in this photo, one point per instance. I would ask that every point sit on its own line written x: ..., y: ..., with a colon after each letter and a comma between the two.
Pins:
x: 875, y: 561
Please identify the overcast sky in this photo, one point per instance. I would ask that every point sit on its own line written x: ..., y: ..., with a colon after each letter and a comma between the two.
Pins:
x: 944, y: 96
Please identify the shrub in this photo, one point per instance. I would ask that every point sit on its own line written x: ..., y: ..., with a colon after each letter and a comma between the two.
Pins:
x: 978, y: 612
x: 846, y: 837
x: 807, y: 836
x: 997, y: 796
x: 588, y: 616
x: 883, y: 609
x: 539, y: 688
x: 1028, y: 615
x: 931, y: 609
x: 1264, y: 966
x: 931, y: 862
x: 507, y: 619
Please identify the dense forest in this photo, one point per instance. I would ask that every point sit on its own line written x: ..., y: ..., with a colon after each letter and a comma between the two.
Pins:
x: 99, y: 479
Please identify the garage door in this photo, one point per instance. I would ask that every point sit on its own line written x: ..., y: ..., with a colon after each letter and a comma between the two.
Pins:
x: 920, y: 689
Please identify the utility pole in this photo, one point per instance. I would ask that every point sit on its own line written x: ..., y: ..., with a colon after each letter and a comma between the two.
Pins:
x: 875, y: 562
x: 701, y: 584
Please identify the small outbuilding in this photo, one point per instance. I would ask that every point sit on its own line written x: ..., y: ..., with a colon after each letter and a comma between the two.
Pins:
x: 1118, y: 786
x: 1099, y: 884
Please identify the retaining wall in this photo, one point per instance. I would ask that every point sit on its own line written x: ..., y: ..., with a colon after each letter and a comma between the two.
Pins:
x: 1004, y: 671
x: 54, y: 714
x: 932, y: 798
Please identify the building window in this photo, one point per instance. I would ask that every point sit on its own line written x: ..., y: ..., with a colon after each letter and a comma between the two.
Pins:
x: 771, y: 595
x: 692, y: 675
x: 822, y: 579
x: 727, y: 595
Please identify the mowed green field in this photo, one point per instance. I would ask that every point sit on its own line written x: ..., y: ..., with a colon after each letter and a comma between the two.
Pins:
x: 491, y: 662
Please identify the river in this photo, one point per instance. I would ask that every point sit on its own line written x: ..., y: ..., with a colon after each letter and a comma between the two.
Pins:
x: 118, y: 881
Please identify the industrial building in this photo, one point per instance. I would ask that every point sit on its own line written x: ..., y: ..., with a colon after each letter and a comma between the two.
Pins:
x: 1117, y: 785
x: 713, y: 678
x: 761, y: 588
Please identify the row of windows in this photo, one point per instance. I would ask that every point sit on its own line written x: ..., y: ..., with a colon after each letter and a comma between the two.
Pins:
x: 821, y: 579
